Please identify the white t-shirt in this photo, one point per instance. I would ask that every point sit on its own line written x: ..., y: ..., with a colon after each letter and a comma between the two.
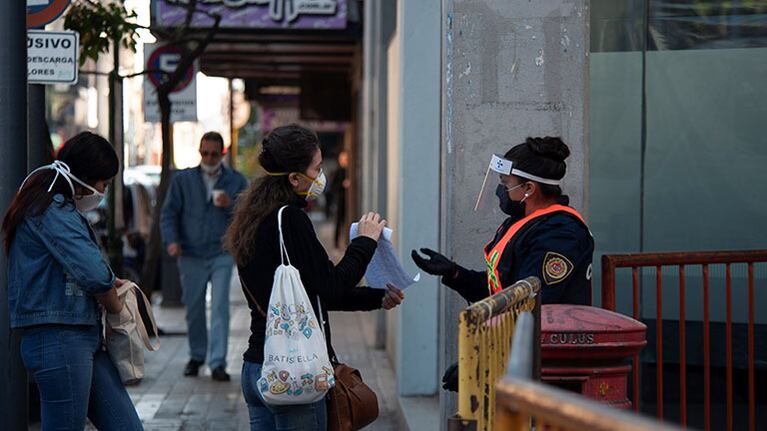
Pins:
x: 210, y: 183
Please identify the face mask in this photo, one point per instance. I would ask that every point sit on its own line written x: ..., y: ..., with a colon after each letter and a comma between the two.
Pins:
x: 210, y: 169
x: 317, y: 187
x: 82, y: 203
x: 88, y: 202
x: 515, y: 209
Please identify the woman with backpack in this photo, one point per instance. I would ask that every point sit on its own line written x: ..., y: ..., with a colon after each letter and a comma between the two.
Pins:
x: 293, y: 162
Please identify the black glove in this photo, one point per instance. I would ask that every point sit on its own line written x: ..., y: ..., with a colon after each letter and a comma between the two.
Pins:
x: 450, y: 379
x: 437, y: 264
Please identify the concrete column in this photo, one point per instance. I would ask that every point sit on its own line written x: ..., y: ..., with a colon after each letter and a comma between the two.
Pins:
x: 367, y: 119
x: 512, y: 69
x: 414, y: 180
x: 379, y: 24
x: 380, y: 21
x: 13, y: 166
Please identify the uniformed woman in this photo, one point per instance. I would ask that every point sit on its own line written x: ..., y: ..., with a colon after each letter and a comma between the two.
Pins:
x: 542, y: 237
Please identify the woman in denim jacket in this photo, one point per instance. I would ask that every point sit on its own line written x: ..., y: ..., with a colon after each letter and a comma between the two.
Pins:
x: 58, y: 282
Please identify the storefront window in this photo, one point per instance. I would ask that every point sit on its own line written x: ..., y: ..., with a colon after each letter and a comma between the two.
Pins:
x: 696, y: 24
x: 677, y: 150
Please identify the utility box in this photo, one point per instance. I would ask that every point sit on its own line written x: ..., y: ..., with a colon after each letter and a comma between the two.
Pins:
x: 588, y: 350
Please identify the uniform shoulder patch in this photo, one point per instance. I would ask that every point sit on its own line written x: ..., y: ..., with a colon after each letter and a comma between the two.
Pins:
x: 556, y: 268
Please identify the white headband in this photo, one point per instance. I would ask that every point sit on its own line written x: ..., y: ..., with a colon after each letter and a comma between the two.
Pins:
x: 506, y: 167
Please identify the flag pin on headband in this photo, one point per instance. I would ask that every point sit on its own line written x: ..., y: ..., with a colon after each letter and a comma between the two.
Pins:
x: 502, y: 166
x: 506, y: 167
x: 497, y: 164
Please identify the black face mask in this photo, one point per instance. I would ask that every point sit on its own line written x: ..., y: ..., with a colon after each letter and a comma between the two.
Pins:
x: 515, y: 209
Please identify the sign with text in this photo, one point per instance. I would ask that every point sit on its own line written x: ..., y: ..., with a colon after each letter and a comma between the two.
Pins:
x: 183, y: 99
x: 52, y: 57
x: 292, y: 14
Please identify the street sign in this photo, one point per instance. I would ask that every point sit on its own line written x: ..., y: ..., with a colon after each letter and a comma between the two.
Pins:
x: 52, y: 57
x: 184, y: 96
x: 166, y: 58
x: 42, y: 12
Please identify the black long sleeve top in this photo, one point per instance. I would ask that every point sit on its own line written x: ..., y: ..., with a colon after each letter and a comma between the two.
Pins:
x: 335, y: 285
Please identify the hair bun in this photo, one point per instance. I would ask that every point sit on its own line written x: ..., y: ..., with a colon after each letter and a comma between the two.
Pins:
x: 549, y: 147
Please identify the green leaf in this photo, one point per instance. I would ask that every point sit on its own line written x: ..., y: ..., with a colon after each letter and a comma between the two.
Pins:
x: 92, y: 20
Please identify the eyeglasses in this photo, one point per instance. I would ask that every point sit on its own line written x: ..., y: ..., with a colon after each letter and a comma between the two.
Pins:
x: 209, y: 153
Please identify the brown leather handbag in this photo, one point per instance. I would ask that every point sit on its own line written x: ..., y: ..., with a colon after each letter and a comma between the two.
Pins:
x: 351, y: 403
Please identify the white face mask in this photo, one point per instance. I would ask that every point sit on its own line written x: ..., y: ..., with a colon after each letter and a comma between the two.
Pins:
x: 83, y: 202
x: 210, y: 169
x: 317, y: 187
x: 88, y: 202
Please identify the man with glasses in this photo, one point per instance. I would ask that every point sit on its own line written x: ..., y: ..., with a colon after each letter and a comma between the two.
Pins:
x: 195, y: 215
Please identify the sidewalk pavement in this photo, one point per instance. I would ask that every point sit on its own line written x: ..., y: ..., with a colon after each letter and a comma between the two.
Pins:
x: 165, y: 400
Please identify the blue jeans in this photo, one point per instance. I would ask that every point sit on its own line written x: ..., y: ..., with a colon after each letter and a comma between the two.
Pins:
x: 195, y: 273
x: 264, y: 417
x: 76, y: 379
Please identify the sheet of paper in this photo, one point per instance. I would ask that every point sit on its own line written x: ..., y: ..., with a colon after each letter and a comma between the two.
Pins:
x: 385, y: 268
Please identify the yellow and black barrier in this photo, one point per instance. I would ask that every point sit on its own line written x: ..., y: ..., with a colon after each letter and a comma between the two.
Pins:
x: 485, y: 333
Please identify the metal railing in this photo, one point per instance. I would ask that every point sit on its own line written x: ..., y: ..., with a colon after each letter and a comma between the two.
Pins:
x: 682, y: 260
x: 484, y: 339
x: 522, y: 402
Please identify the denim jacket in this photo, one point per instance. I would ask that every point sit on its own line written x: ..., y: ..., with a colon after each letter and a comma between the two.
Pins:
x: 190, y: 219
x: 55, y: 267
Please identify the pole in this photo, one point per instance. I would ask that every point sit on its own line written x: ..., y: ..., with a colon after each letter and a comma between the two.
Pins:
x: 232, y: 156
x: 114, y: 241
x: 13, y: 166
x: 39, y: 148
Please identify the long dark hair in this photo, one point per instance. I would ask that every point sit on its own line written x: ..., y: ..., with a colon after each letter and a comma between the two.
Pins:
x: 543, y: 157
x: 90, y: 158
x: 286, y: 149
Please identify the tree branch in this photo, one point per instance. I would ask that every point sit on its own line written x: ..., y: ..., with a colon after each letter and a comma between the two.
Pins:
x: 145, y: 72
x: 189, y: 58
x: 93, y: 72
x: 191, y: 9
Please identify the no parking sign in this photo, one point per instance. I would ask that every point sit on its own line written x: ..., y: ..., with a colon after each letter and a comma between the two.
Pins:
x: 41, y: 12
x: 183, y: 97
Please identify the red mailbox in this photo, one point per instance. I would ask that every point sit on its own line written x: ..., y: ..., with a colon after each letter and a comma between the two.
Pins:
x: 586, y: 350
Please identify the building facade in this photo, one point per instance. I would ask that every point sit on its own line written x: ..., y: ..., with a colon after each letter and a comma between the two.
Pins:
x: 660, y: 103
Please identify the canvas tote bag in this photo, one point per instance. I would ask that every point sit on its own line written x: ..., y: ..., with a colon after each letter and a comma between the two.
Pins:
x: 128, y: 336
x: 296, y: 368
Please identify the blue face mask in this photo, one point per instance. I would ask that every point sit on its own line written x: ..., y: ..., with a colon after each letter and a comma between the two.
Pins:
x: 515, y: 209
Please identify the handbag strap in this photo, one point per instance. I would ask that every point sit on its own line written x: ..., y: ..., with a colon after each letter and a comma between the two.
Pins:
x: 140, y: 322
x: 252, y: 298
x: 331, y: 352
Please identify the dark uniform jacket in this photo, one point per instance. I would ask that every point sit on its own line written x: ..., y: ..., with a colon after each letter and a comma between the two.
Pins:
x: 557, y: 248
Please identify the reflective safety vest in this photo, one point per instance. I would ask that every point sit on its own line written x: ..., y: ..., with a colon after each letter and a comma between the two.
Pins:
x: 493, y: 255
